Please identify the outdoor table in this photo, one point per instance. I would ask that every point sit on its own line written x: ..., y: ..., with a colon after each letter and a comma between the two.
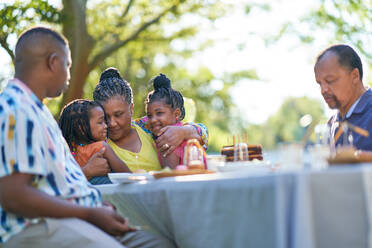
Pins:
x: 325, y: 208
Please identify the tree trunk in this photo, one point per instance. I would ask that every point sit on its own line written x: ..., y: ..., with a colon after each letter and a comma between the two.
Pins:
x: 81, y: 45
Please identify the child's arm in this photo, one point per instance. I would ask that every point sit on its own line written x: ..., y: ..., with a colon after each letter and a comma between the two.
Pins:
x: 116, y: 164
x: 171, y: 161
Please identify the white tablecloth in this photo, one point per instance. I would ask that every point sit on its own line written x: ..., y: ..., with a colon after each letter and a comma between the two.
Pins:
x: 306, y: 209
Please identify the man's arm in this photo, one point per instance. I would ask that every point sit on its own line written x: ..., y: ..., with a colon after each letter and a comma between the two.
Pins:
x: 19, y: 197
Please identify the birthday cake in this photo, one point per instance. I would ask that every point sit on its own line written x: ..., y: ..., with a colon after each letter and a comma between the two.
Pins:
x: 254, y: 152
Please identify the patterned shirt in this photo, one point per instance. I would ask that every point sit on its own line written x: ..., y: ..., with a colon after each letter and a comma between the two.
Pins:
x: 31, y: 142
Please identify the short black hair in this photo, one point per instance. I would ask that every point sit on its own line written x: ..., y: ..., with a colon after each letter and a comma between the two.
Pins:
x: 41, y: 30
x: 163, y: 91
x: 112, y: 84
x: 74, y: 122
x: 31, y: 40
x: 347, y: 57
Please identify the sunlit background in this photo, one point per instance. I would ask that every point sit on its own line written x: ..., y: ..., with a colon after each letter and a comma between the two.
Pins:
x: 246, y: 65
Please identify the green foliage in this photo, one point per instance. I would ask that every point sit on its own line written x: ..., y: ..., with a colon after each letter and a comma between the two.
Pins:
x: 164, y: 46
x: 338, y: 21
x: 284, y: 126
x: 349, y: 21
x: 249, y: 7
x: 20, y: 15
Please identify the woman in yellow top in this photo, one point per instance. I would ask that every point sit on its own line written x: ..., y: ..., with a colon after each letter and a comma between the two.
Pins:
x: 145, y: 159
x: 131, y: 142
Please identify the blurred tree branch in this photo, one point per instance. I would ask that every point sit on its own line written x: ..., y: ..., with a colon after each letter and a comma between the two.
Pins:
x: 120, y: 43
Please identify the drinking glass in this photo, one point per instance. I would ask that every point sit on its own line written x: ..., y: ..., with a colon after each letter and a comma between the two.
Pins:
x: 347, y: 135
x: 215, y: 162
x: 241, y: 152
x: 291, y: 156
x: 321, y: 150
x: 194, y: 155
x: 322, y: 134
x: 318, y: 156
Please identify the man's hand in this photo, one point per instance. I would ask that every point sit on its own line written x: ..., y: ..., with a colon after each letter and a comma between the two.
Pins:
x: 108, y: 205
x: 109, y: 221
x: 97, y: 165
x: 19, y: 197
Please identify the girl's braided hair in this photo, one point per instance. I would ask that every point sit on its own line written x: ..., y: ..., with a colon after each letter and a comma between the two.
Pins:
x: 112, y: 84
x: 163, y: 91
x: 74, y: 122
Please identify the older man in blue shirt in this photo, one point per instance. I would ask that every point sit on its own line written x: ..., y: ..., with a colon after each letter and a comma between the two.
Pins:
x: 338, y: 71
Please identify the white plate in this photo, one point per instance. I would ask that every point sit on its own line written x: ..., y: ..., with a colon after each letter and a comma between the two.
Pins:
x: 129, y: 177
x: 246, y: 165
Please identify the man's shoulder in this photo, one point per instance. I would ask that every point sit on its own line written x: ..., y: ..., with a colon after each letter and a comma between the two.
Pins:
x: 368, y: 100
x: 364, y: 106
x: 14, y: 103
x: 368, y: 96
x: 9, y: 102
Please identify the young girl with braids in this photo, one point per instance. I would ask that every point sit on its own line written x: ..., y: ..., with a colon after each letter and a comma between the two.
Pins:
x: 165, y: 107
x: 83, y: 125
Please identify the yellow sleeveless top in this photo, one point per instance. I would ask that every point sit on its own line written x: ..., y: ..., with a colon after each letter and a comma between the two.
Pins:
x: 146, y: 159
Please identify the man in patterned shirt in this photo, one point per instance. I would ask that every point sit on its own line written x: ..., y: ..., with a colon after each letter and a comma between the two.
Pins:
x: 45, y: 200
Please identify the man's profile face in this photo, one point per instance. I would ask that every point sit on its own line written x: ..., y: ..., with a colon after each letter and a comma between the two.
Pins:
x: 62, y: 74
x: 334, y: 80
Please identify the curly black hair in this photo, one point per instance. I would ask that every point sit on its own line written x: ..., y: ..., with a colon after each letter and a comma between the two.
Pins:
x: 112, y: 84
x: 74, y: 122
x: 163, y: 91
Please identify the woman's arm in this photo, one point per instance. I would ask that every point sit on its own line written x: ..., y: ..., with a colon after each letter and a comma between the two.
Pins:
x: 116, y: 164
x: 97, y: 165
x: 170, y: 137
x: 171, y: 161
x: 201, y: 130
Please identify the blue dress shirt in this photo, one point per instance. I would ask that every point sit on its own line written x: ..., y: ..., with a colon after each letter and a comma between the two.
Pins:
x: 360, y: 114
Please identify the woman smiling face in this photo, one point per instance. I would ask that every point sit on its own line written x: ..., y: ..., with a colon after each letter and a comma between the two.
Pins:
x: 119, y: 117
